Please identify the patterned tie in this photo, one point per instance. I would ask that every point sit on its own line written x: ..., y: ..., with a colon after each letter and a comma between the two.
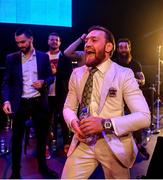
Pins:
x: 86, y: 96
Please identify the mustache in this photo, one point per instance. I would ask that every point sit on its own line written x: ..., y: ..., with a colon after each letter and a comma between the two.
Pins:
x: 89, y: 49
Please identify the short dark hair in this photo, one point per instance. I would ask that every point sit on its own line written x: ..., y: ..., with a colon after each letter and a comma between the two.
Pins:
x: 124, y: 40
x: 27, y: 32
x: 54, y: 34
x: 108, y: 34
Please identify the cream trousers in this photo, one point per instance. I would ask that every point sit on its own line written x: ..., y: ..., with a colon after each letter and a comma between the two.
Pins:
x: 83, y: 161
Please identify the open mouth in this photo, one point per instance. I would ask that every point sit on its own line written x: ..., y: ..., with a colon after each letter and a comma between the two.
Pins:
x: 89, y: 52
x: 123, y: 53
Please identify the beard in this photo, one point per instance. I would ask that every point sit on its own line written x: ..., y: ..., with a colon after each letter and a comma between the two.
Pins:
x: 124, y: 57
x: 98, y: 58
x: 54, y: 47
x: 25, y: 50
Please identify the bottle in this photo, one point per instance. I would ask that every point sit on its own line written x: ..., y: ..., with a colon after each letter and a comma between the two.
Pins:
x: 90, y: 139
x: 3, y: 147
x: 2, y: 142
x: 53, y: 147
x: 7, y: 126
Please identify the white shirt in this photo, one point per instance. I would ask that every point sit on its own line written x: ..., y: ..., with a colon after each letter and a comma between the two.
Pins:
x: 97, y: 85
x: 53, y: 85
x: 30, y: 75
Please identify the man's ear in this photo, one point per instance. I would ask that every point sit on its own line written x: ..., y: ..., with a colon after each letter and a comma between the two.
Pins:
x: 108, y: 47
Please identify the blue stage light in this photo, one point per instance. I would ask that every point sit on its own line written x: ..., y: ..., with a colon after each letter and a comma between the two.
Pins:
x: 37, y: 12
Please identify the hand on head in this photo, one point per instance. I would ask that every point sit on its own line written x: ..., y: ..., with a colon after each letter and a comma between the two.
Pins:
x: 83, y: 36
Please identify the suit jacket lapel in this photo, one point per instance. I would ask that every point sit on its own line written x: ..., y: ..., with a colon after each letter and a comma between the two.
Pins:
x: 38, y: 60
x: 19, y: 65
x: 107, y: 84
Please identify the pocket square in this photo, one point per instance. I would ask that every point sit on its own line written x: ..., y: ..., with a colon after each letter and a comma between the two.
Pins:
x: 112, y: 92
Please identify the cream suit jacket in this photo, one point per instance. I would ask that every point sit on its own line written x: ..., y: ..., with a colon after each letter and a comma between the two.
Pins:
x: 126, y: 89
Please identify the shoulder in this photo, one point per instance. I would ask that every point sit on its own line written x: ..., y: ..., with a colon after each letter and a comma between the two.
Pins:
x: 78, y: 74
x: 12, y: 58
x: 79, y: 71
x: 44, y: 57
x: 40, y: 53
x: 124, y: 75
x: 122, y: 72
x: 135, y: 62
x: 15, y: 54
x: 120, y: 69
x: 62, y: 56
x: 64, y: 62
x: 136, y: 66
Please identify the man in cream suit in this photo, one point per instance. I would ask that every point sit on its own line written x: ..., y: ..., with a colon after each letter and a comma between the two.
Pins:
x: 114, y: 147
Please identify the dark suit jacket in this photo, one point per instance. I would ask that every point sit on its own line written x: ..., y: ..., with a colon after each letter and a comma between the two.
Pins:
x: 64, y: 70
x: 12, y: 84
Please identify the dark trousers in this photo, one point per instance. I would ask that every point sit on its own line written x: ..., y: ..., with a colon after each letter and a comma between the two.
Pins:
x: 65, y: 131
x: 56, y: 117
x: 35, y: 109
x: 53, y: 115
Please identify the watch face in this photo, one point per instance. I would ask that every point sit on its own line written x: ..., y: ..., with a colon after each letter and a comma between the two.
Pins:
x: 107, y: 125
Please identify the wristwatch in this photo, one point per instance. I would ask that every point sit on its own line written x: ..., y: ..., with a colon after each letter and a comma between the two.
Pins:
x: 107, y: 125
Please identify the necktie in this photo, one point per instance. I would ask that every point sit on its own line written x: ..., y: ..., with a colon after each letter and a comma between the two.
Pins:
x: 86, y: 96
x: 84, y: 106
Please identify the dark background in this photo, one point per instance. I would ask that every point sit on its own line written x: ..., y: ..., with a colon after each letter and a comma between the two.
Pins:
x: 139, y: 20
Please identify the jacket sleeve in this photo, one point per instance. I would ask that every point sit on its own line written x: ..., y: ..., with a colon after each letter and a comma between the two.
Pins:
x: 5, y: 89
x: 72, y: 102
x: 140, y: 114
x: 49, y: 78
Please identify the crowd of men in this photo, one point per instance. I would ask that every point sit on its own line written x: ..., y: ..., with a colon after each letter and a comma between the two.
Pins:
x: 44, y: 86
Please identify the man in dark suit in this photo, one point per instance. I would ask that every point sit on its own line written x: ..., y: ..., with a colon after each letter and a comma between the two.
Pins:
x: 24, y: 94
